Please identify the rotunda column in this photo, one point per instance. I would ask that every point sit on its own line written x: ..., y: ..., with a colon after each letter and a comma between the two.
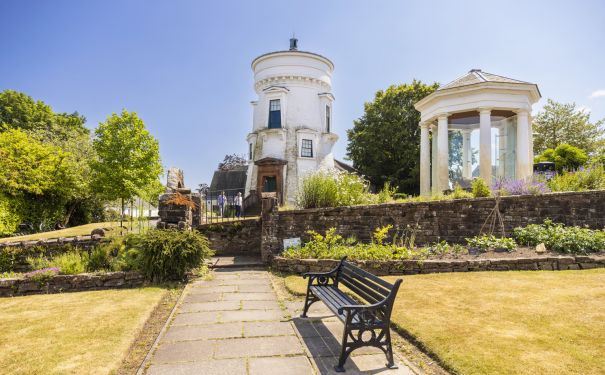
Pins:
x: 523, y: 164
x: 434, y: 159
x: 466, y: 154
x: 485, y: 144
x: 442, y: 154
x: 425, y: 177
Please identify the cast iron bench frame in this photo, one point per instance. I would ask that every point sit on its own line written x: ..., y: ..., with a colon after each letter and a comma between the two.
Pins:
x: 373, y: 317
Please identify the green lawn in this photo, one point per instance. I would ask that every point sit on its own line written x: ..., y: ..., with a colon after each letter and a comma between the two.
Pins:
x: 80, y: 230
x: 72, y: 333
x: 518, y: 322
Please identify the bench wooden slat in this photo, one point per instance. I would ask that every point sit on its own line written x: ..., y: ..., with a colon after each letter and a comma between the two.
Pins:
x: 367, y: 275
x: 333, y: 299
x: 361, y: 279
x: 365, y: 293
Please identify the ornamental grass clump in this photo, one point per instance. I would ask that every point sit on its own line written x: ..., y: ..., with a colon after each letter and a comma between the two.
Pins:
x: 560, y: 238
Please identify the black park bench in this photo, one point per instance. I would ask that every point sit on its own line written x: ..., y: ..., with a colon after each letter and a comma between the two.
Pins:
x: 365, y: 324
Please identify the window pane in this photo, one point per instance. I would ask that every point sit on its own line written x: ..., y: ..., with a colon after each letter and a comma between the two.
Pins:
x: 328, y: 115
x: 274, y: 105
x: 306, y: 148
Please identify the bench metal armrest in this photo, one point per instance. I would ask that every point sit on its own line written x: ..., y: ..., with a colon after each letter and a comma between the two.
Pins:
x: 331, y: 273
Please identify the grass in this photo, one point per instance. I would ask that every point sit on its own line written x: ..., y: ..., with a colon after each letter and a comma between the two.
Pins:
x: 80, y: 230
x: 72, y: 333
x: 518, y: 322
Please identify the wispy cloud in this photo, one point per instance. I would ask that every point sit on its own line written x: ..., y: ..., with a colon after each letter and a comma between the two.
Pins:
x: 597, y: 94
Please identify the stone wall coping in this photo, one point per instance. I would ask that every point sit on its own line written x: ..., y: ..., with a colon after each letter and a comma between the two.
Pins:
x: 432, y: 202
x: 408, y: 266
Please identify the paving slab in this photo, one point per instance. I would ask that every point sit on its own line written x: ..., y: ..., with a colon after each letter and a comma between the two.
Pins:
x: 260, y: 305
x: 253, y: 329
x: 202, y: 297
x: 211, y: 367
x: 251, y: 315
x: 280, y: 365
x: 249, y: 297
x: 210, y: 306
x: 184, y: 351
x: 204, y: 332
x: 258, y: 347
x: 203, y: 317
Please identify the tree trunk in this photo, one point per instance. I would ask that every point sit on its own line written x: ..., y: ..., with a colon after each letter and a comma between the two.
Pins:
x: 122, y: 216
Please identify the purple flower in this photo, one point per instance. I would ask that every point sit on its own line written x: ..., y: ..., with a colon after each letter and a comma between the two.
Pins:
x: 520, y: 187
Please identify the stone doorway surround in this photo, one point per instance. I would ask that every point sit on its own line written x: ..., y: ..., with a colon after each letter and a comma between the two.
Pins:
x: 268, y: 168
x: 236, y: 324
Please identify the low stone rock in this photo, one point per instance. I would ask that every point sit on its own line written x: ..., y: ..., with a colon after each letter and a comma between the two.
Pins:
x: 541, y: 248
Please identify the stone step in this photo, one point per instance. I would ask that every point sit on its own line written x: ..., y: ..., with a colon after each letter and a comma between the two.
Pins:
x: 237, y: 261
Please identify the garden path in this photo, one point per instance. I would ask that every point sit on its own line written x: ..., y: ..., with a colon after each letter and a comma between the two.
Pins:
x: 236, y: 324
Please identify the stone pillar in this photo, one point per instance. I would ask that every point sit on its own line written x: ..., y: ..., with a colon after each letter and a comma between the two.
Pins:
x: 425, y: 168
x: 522, y: 164
x: 485, y: 145
x: 467, y: 162
x: 269, y: 245
x: 442, y: 154
x: 434, y: 159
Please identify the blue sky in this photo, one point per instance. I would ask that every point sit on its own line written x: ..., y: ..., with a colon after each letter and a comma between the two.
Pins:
x: 184, y: 66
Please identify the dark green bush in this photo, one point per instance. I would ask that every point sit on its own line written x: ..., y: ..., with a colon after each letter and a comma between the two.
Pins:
x: 169, y: 254
x: 560, y: 238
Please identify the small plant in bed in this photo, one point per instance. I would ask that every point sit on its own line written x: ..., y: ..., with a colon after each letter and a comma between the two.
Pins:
x: 489, y: 242
x: 560, y: 238
x: 42, y: 275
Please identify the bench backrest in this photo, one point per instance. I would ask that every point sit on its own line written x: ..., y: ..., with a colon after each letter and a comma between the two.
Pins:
x: 367, y: 286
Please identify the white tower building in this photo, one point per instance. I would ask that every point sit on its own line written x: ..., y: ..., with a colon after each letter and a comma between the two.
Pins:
x: 291, y: 127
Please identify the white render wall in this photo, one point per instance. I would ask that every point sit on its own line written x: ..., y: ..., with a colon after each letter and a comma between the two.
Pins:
x: 302, y: 83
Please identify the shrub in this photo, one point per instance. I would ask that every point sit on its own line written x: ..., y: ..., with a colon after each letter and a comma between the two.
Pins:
x: 460, y: 193
x: 318, y: 190
x: 351, y: 190
x: 590, y: 178
x: 486, y: 242
x: 565, y: 157
x: 387, y: 193
x: 71, y: 263
x: 99, y: 259
x: 169, y: 254
x: 480, y: 189
x: 560, y: 238
x: 520, y: 187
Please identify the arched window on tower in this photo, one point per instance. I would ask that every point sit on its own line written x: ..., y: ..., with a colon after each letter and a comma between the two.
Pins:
x: 328, y: 118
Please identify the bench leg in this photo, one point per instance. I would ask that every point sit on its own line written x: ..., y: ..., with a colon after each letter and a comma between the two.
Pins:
x: 344, y: 352
x: 389, y: 351
x: 309, y: 300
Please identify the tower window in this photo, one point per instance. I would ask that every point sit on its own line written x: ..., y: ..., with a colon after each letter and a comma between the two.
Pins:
x: 250, y: 151
x: 306, y: 150
x: 328, y: 118
x: 274, y: 114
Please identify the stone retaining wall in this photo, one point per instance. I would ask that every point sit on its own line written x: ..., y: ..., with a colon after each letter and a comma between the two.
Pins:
x: 234, y: 238
x: 71, y: 283
x: 452, y: 221
x: 412, y: 267
x: 19, y: 251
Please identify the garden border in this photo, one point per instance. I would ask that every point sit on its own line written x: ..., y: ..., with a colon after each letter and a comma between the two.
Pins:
x: 413, y: 267
x: 70, y: 283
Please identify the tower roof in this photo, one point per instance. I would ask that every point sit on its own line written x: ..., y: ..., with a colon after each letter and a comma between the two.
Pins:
x: 475, y: 76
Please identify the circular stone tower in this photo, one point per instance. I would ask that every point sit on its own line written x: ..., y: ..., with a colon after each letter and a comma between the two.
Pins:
x: 291, y: 127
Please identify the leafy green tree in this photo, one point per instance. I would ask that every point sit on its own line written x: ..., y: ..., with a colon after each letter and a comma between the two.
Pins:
x: 560, y: 123
x: 66, y: 132
x: 384, y: 143
x: 128, y: 158
x: 565, y: 157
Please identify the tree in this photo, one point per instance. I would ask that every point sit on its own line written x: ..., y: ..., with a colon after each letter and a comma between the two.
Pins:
x: 455, y: 154
x: 128, y: 158
x: 66, y: 132
x: 560, y: 123
x: 565, y: 157
x: 384, y: 143
x: 232, y: 161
